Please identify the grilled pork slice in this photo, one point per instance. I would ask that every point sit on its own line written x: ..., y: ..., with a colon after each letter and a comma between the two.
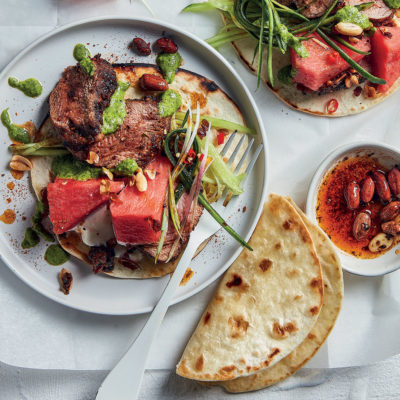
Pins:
x: 313, y: 8
x: 137, y: 215
x: 78, y: 101
x: 140, y: 137
x: 71, y: 201
x: 172, y: 235
x: 323, y: 62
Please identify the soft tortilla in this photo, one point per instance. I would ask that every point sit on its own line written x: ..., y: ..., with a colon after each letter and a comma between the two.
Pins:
x: 193, y: 88
x: 309, y: 103
x: 265, y: 305
x: 333, y: 296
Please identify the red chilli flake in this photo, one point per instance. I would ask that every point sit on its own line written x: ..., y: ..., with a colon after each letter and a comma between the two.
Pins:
x: 332, y: 106
x: 190, y: 156
x: 201, y: 157
x: 333, y: 57
x: 114, y: 198
x: 221, y: 138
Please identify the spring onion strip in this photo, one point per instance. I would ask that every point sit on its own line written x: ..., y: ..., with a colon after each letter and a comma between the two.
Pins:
x: 260, y: 47
x: 349, y: 46
x: 350, y: 61
x: 172, y: 206
x: 270, y: 36
x: 219, y: 123
x: 164, y: 230
x: 227, y: 39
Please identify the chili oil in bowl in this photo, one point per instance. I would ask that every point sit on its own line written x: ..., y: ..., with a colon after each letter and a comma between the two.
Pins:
x: 348, y: 207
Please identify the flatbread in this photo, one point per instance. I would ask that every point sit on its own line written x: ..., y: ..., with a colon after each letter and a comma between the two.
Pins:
x: 309, y: 103
x: 266, y: 303
x: 333, y: 297
x: 194, y: 89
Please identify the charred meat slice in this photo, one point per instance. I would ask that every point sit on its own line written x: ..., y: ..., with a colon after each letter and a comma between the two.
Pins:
x: 379, y: 12
x: 78, y: 101
x: 171, y: 237
x: 139, y: 137
x: 314, y: 8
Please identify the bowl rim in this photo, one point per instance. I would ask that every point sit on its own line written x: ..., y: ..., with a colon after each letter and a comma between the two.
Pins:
x: 325, y: 166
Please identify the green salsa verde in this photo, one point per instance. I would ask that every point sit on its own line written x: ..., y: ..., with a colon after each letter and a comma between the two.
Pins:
x: 169, y: 63
x: 392, y: 3
x: 68, y: 167
x: 55, y: 255
x: 126, y: 167
x: 286, y: 75
x: 31, y: 87
x: 115, y: 113
x: 82, y: 54
x: 31, y: 239
x: 16, y: 133
x: 353, y: 15
x: 169, y: 103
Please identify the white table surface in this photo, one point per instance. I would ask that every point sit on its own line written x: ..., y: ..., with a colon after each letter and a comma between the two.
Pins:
x: 38, y: 334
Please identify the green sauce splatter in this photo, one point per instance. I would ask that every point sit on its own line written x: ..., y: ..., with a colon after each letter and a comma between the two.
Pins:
x: 37, y: 226
x: 392, y: 3
x: 353, y: 15
x: 68, y: 167
x: 31, y: 239
x: 169, y: 63
x: 115, y: 113
x: 82, y: 54
x: 286, y: 75
x: 55, y: 255
x: 169, y: 103
x: 16, y: 133
x: 30, y: 87
x: 126, y: 167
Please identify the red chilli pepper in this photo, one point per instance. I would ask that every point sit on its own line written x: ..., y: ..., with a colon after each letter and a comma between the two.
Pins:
x: 333, y: 57
x: 221, y: 138
x: 190, y: 156
x: 201, y: 157
x: 332, y: 106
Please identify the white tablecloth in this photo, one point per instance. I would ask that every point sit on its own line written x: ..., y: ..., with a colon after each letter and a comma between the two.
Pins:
x: 63, y: 353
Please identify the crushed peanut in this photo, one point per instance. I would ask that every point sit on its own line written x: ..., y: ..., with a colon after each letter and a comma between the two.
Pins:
x: 19, y: 163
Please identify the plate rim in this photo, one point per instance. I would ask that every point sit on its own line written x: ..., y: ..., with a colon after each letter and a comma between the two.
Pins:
x: 170, y: 27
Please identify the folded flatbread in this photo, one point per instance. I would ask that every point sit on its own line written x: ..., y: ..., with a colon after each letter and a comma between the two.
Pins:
x: 266, y: 304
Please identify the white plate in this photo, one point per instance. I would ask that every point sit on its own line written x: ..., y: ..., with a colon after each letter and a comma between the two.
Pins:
x: 45, y: 60
x: 388, y: 156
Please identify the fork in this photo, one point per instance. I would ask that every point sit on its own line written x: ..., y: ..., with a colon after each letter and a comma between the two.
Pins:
x: 124, y: 380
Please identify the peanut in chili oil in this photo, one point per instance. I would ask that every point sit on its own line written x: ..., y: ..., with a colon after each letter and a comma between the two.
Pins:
x: 332, y: 213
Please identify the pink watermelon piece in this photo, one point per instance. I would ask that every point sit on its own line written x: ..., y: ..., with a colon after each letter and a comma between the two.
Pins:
x: 71, y: 201
x: 137, y: 215
x: 323, y: 63
x: 386, y: 56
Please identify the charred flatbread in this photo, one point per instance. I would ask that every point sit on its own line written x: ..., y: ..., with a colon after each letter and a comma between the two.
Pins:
x: 333, y: 297
x: 266, y: 304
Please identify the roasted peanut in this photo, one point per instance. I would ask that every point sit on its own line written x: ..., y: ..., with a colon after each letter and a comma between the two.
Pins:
x: 141, y: 182
x: 141, y: 46
x: 391, y: 228
x: 348, y: 29
x: 167, y: 45
x: 394, y: 181
x: 150, y: 82
x: 382, y: 187
x: 361, y: 225
x: 391, y: 211
x: 352, y: 195
x: 19, y: 163
x: 380, y: 242
x: 367, y: 189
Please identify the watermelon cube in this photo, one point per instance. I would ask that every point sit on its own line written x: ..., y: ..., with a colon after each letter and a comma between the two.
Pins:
x: 71, y: 201
x: 386, y: 56
x: 137, y: 215
x: 323, y: 63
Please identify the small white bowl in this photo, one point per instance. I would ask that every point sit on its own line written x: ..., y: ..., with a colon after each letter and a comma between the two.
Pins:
x: 388, y: 156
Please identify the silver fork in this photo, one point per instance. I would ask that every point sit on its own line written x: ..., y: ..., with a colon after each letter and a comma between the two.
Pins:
x: 123, y: 382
